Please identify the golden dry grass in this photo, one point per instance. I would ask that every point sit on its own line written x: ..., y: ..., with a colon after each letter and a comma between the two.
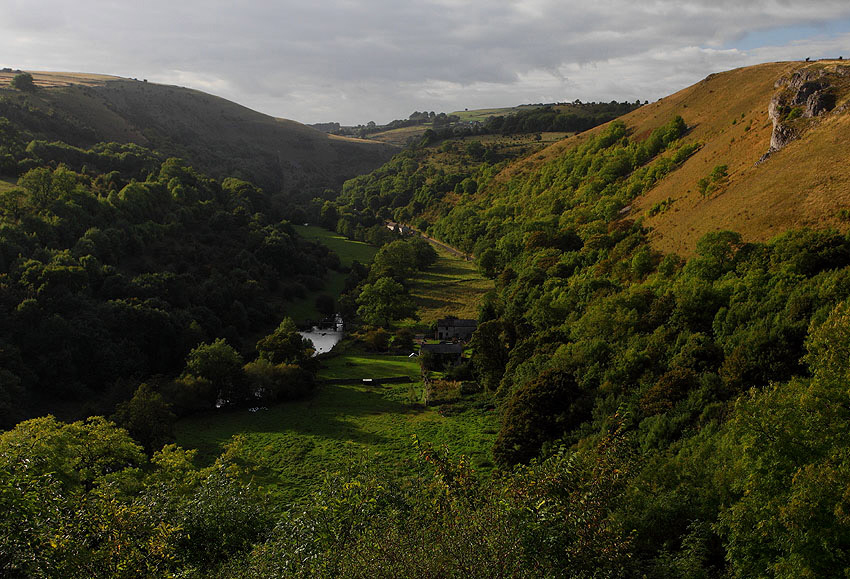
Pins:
x: 804, y: 185
x: 47, y: 79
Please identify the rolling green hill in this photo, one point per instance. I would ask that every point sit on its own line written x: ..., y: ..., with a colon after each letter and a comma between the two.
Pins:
x: 217, y: 136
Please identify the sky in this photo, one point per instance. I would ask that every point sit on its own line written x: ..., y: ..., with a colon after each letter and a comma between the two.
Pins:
x: 352, y: 61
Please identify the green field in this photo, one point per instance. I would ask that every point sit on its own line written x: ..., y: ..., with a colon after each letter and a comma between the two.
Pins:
x: 295, y: 443
x: 401, y: 135
x: 347, y: 250
x: 482, y: 115
x: 6, y: 185
x: 452, y: 286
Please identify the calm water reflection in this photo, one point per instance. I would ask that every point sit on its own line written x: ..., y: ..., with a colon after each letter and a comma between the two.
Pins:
x: 323, y: 340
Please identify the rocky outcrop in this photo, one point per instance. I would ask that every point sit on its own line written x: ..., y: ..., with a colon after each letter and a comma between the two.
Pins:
x: 805, y: 94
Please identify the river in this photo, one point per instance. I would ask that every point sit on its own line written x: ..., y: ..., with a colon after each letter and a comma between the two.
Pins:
x: 325, y: 339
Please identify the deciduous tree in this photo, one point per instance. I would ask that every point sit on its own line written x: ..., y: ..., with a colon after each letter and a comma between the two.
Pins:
x: 384, y: 301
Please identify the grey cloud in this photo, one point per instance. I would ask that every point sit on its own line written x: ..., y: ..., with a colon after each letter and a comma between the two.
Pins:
x: 351, y: 60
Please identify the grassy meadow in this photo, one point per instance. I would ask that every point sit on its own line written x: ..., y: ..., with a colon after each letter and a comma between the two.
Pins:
x: 347, y: 250
x: 294, y: 443
x: 482, y: 115
x: 451, y: 286
x: 401, y: 135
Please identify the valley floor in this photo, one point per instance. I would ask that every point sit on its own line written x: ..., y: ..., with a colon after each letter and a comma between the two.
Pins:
x: 294, y: 443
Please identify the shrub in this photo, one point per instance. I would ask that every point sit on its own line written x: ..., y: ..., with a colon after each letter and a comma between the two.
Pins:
x: 540, y: 411
x: 23, y: 81
x: 272, y: 383
x: 222, y: 366
x: 377, y: 340
x: 403, y: 339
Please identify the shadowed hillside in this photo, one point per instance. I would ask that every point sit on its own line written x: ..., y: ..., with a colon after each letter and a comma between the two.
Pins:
x: 213, y: 134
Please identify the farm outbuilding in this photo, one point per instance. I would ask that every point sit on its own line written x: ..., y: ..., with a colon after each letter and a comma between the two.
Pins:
x: 455, y: 329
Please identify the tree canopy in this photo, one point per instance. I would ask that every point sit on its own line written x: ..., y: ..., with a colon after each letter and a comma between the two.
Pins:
x: 23, y: 81
x: 384, y: 301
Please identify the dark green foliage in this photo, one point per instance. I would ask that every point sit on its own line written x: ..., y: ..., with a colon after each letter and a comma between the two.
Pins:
x: 384, y: 301
x: 672, y: 345
x: 377, y: 340
x: 708, y: 184
x: 790, y: 450
x: 23, y: 81
x: 82, y: 500
x: 576, y: 117
x: 488, y: 262
x: 325, y: 304
x: 221, y: 366
x: 147, y: 417
x: 551, y: 520
x: 115, y: 264
x: 285, y: 345
x: 425, y: 253
x: 272, y: 383
x: 704, y: 401
x: 403, y: 339
x: 492, y: 342
x: 538, y: 412
x: 397, y: 260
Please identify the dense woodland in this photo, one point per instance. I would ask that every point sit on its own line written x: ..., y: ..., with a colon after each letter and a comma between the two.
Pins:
x: 660, y: 417
x: 115, y: 264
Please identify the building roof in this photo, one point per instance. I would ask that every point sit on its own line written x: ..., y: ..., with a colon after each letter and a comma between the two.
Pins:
x: 443, y: 348
x: 451, y: 322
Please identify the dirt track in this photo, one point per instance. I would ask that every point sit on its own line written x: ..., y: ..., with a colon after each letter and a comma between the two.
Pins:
x: 432, y: 241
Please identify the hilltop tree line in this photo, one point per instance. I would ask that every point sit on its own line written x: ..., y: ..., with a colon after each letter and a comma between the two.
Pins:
x: 563, y: 117
x: 415, y: 119
x: 572, y: 118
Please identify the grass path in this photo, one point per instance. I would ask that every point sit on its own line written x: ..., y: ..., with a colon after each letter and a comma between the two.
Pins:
x: 6, y: 185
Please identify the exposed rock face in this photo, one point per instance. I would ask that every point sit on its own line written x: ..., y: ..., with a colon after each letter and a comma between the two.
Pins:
x: 818, y: 103
x: 806, y: 94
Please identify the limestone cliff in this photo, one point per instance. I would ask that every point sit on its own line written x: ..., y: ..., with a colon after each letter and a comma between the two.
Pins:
x: 801, y: 96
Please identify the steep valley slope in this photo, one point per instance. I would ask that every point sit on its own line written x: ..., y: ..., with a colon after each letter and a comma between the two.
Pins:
x: 217, y: 136
x: 805, y: 184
